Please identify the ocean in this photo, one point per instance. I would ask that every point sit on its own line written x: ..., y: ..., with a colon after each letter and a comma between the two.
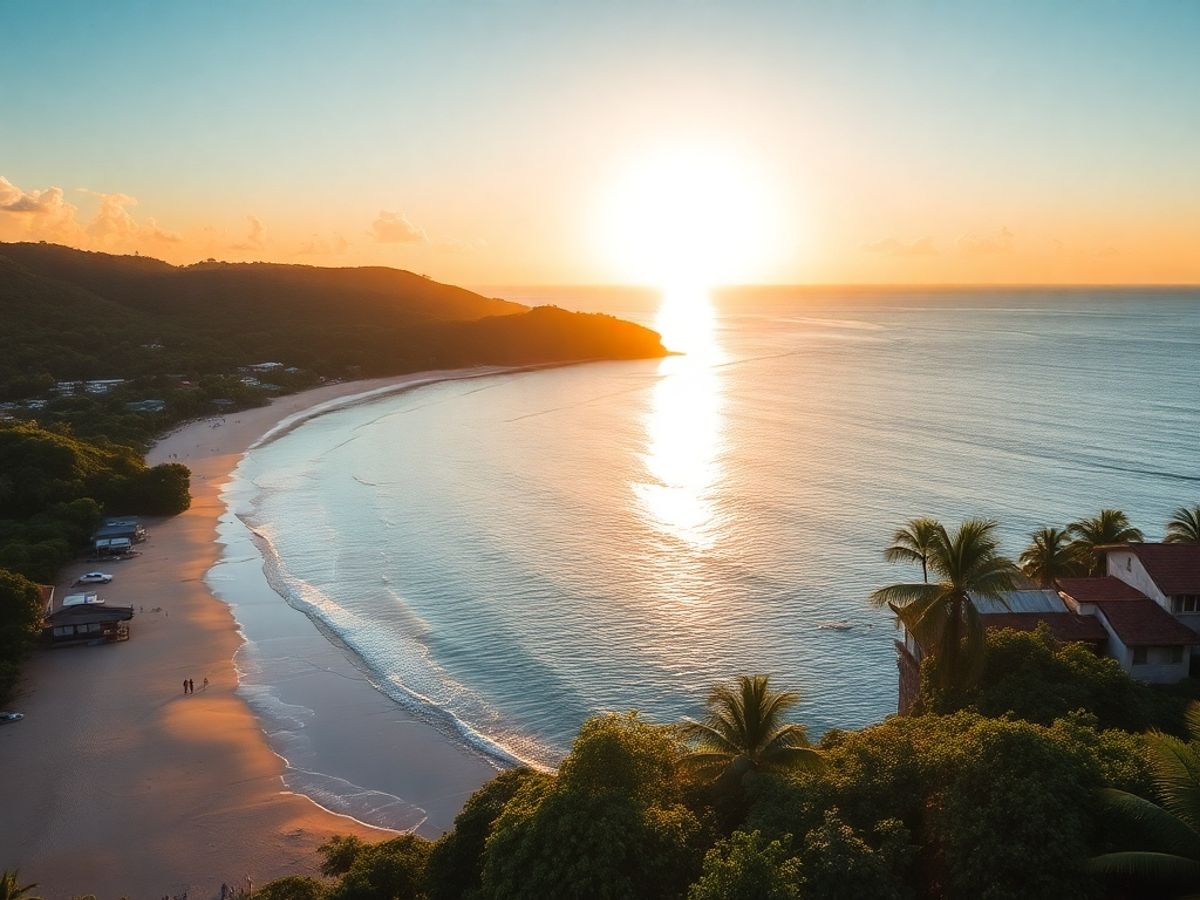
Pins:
x: 508, y: 555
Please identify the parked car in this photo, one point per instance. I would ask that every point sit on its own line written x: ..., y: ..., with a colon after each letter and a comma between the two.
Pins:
x: 7, y: 717
x: 94, y: 578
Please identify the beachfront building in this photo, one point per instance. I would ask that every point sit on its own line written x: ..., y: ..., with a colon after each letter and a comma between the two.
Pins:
x: 118, y: 534
x: 1149, y: 643
x: 1169, y: 574
x: 88, y: 623
x: 1028, y: 609
x: 1022, y: 610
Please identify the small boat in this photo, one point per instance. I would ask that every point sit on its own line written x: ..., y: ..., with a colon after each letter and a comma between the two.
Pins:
x: 835, y: 626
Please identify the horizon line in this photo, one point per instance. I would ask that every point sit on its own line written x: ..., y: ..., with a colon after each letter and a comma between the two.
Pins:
x: 616, y: 285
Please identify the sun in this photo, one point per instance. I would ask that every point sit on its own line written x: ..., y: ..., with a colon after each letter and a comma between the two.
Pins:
x: 686, y: 217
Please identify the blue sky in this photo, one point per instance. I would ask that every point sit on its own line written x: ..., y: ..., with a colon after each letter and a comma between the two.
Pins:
x: 490, y: 126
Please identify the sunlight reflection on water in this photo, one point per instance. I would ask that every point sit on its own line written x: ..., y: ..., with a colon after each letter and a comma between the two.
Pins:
x: 685, y: 425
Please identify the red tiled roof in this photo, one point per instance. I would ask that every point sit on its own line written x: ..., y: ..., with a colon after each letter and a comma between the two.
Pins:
x: 1141, y: 623
x: 1105, y: 587
x: 1175, y: 568
x: 1065, y: 626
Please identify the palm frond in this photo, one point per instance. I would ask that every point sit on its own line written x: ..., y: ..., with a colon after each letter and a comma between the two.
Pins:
x: 1192, y: 718
x: 1176, y: 767
x: 901, y: 595
x: 707, y: 736
x: 901, y: 553
x: 1158, y: 827
x: 1163, y: 868
x: 1184, y: 527
x: 794, y: 758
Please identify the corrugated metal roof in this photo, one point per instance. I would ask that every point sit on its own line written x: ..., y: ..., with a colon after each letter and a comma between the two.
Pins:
x: 1021, y: 602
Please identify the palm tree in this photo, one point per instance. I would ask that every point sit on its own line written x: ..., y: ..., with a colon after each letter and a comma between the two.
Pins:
x: 940, y: 616
x: 1049, y: 556
x: 1184, y: 527
x: 10, y: 889
x: 1110, y: 526
x: 913, y: 543
x: 1172, y: 828
x: 744, y: 732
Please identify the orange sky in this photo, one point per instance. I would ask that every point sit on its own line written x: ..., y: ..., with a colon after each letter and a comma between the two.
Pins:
x: 498, y: 143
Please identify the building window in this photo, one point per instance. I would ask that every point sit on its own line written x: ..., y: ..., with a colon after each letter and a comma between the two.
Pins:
x: 1175, y: 655
x: 1139, y: 656
x: 1185, y: 603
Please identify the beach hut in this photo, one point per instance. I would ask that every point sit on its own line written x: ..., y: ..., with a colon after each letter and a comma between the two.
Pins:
x: 87, y: 623
x: 118, y: 534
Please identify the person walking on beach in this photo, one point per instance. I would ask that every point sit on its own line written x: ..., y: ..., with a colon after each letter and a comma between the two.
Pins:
x: 191, y: 686
x: 205, y: 685
x: 185, y: 685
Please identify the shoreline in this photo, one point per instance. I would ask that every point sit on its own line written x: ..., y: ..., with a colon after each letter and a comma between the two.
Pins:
x: 130, y: 787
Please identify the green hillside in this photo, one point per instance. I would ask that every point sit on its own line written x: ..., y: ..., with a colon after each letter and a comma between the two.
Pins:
x: 184, y: 334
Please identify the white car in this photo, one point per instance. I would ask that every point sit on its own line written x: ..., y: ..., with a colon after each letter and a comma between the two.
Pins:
x: 94, y: 578
x: 5, y: 718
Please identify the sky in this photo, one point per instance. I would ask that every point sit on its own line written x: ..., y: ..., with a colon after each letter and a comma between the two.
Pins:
x: 516, y: 142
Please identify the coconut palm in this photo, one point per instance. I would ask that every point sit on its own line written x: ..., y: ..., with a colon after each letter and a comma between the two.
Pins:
x: 744, y: 732
x: 1184, y: 527
x: 1049, y: 556
x: 913, y: 543
x: 940, y: 615
x: 1109, y: 526
x: 1173, y: 829
x: 11, y: 889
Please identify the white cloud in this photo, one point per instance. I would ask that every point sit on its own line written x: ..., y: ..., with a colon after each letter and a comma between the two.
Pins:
x: 46, y: 215
x: 36, y: 215
x: 394, y: 228
x: 256, y: 236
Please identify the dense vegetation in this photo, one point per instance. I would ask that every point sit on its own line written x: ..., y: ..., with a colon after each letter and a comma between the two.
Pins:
x: 184, y: 335
x: 935, y: 805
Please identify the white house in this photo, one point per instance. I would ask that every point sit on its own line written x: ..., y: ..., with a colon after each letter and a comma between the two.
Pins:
x: 1148, y: 642
x: 1169, y: 574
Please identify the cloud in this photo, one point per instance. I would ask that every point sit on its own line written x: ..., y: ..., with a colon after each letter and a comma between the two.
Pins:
x: 893, y: 247
x: 1108, y: 252
x: 114, y: 226
x: 113, y: 222
x: 256, y: 237
x: 154, y: 233
x: 980, y: 244
x: 47, y: 215
x: 36, y: 215
x: 15, y: 200
x: 393, y: 228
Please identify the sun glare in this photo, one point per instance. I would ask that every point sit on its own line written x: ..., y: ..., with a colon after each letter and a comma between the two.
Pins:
x: 687, y: 218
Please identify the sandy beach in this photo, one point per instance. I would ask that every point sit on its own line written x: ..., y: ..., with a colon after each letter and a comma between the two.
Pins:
x: 116, y: 783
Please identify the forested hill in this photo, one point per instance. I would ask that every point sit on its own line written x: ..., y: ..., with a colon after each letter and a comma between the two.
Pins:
x: 72, y: 314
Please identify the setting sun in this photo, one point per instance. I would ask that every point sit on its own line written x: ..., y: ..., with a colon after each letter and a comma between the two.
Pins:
x: 687, y: 217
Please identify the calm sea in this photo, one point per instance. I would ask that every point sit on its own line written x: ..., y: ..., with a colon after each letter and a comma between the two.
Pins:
x: 512, y: 554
